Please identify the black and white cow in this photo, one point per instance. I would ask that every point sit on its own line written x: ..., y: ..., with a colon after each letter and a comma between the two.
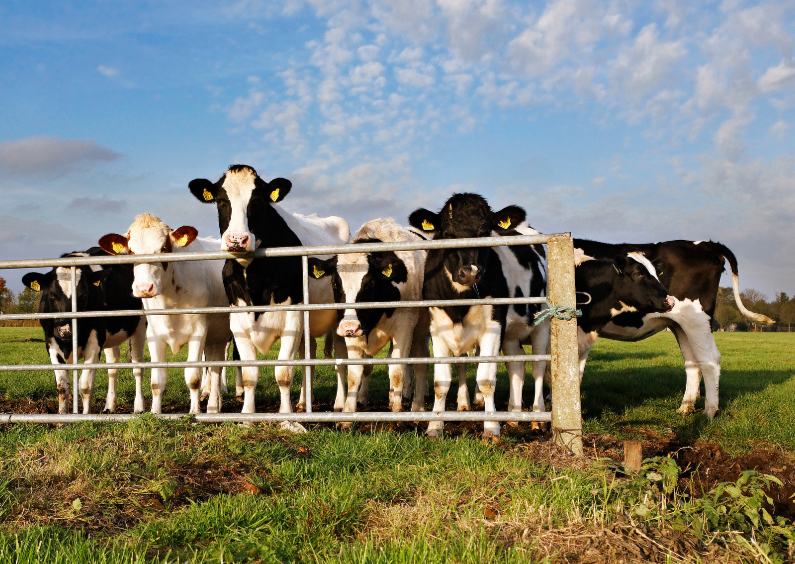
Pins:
x: 381, y: 277
x: 249, y: 216
x: 500, y: 272
x: 691, y: 272
x: 98, y: 289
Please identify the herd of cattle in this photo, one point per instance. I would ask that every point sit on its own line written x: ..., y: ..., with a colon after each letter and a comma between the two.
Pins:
x: 630, y: 292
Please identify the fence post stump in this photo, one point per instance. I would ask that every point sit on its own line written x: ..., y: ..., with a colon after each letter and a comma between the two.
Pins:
x: 566, y: 406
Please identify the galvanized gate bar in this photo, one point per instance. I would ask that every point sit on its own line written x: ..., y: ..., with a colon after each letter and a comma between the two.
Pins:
x: 290, y: 307
x: 74, y: 339
x: 308, y: 370
x: 566, y: 408
x: 328, y: 417
x: 277, y: 362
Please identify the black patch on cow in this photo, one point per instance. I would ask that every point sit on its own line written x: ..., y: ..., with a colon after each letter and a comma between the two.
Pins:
x: 378, y: 286
x: 521, y: 309
x: 629, y: 319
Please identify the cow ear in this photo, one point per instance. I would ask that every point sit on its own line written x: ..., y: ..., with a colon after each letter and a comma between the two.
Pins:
x: 319, y: 268
x: 277, y: 189
x: 620, y: 264
x: 34, y: 281
x: 204, y: 190
x: 97, y: 277
x: 184, y: 236
x: 114, y: 244
x: 424, y: 220
x: 507, y: 219
x: 390, y: 266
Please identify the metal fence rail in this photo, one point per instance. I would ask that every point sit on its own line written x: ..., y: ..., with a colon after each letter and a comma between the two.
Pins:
x: 566, y: 420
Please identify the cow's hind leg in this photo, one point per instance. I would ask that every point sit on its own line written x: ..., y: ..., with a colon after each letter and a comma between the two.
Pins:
x: 112, y: 356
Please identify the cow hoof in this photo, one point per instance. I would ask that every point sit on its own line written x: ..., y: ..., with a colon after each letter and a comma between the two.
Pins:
x: 712, y: 413
x: 240, y: 398
x: 344, y: 425
x: 434, y: 433
x: 489, y: 437
x: 417, y: 407
x: 686, y: 408
x: 299, y: 408
x: 513, y: 424
x: 541, y: 426
x: 463, y: 408
x: 292, y: 426
x: 479, y: 405
x: 204, y: 396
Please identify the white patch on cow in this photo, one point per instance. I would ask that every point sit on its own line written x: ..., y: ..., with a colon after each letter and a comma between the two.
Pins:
x: 645, y: 262
x: 624, y: 308
x: 352, y: 269
x: 64, y: 276
x: 580, y: 257
x: 697, y: 242
x: 460, y: 288
x: 239, y: 186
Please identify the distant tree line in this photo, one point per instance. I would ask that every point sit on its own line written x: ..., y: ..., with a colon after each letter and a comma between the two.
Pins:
x: 26, y: 301
x: 728, y: 318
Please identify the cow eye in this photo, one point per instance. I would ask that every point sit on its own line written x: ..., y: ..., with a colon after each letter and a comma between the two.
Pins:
x: 164, y: 250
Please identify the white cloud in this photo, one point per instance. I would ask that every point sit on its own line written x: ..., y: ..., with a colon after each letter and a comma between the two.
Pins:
x: 109, y: 72
x: 51, y: 156
x: 420, y: 76
x: 776, y: 78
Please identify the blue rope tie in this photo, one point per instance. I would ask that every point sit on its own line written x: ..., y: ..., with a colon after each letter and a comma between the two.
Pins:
x: 558, y: 312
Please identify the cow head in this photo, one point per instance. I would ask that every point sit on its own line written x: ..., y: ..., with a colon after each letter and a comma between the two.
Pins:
x: 362, y: 278
x: 148, y: 236
x: 466, y: 216
x: 242, y: 198
x: 56, y: 292
x: 637, y: 279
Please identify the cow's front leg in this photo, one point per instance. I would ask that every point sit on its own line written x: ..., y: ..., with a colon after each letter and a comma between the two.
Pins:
x: 112, y: 356
x: 301, y: 405
x: 442, y: 377
x: 487, y: 376
x: 249, y: 374
x: 463, y: 391
x: 157, y: 351
x: 401, y: 342
x: 515, y: 377
x: 419, y: 349
x: 61, y: 382
x: 91, y: 356
x: 136, y: 344
x: 692, y: 372
x: 291, y: 338
x: 193, y: 376
x: 214, y: 351
x: 340, y: 352
x: 355, y: 348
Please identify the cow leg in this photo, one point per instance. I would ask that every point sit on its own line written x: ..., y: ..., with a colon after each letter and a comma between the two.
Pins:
x: 540, y: 341
x: 215, y: 351
x: 157, y: 350
x: 419, y: 349
x: 364, y: 388
x: 112, y: 356
x: 463, y: 391
x: 301, y: 405
x: 401, y: 345
x: 61, y: 382
x: 91, y: 355
x: 695, y: 325
x: 487, y: 376
x: 355, y: 373
x: 340, y: 352
x: 442, y: 377
x: 692, y: 372
x: 250, y: 374
x: 515, y: 377
x: 291, y: 339
x: 193, y: 376
x: 136, y: 344
x: 584, y: 343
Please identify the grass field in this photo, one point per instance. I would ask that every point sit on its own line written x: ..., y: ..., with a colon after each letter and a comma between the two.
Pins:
x: 152, y: 491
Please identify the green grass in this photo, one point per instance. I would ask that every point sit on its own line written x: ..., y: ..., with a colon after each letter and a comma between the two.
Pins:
x: 157, y: 491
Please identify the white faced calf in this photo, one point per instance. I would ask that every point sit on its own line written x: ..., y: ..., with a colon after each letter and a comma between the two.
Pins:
x: 177, y: 285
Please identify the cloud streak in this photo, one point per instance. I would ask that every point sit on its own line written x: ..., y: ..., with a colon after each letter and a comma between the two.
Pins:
x: 51, y: 156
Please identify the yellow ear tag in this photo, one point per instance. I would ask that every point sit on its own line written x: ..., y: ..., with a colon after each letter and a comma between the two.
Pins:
x: 182, y: 240
x: 387, y: 271
x: 208, y: 197
x: 504, y: 224
x: 97, y: 283
x: 35, y: 286
x: 118, y: 248
x: 317, y: 272
x: 275, y: 195
x: 427, y: 226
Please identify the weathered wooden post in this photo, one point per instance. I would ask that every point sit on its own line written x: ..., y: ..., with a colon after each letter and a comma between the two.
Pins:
x: 566, y: 406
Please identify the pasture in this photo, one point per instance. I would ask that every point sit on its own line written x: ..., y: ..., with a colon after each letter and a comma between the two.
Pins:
x: 156, y: 491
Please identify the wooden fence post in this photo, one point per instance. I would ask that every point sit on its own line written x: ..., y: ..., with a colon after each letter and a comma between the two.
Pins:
x: 566, y: 405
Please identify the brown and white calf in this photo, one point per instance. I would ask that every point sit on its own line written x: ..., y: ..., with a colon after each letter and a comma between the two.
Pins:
x: 249, y: 216
x: 385, y: 276
x: 177, y: 285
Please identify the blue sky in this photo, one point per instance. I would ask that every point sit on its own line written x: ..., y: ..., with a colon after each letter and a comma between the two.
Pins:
x: 616, y: 120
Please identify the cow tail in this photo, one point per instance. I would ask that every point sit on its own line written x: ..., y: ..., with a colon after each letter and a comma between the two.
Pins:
x: 728, y: 255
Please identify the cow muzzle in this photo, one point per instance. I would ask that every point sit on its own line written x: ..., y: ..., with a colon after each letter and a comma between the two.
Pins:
x: 144, y: 290
x: 670, y: 302
x: 469, y: 276
x: 238, y: 242
x: 349, y: 329
x: 64, y: 331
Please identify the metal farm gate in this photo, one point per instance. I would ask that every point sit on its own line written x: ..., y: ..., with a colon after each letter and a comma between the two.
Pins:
x: 566, y: 411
